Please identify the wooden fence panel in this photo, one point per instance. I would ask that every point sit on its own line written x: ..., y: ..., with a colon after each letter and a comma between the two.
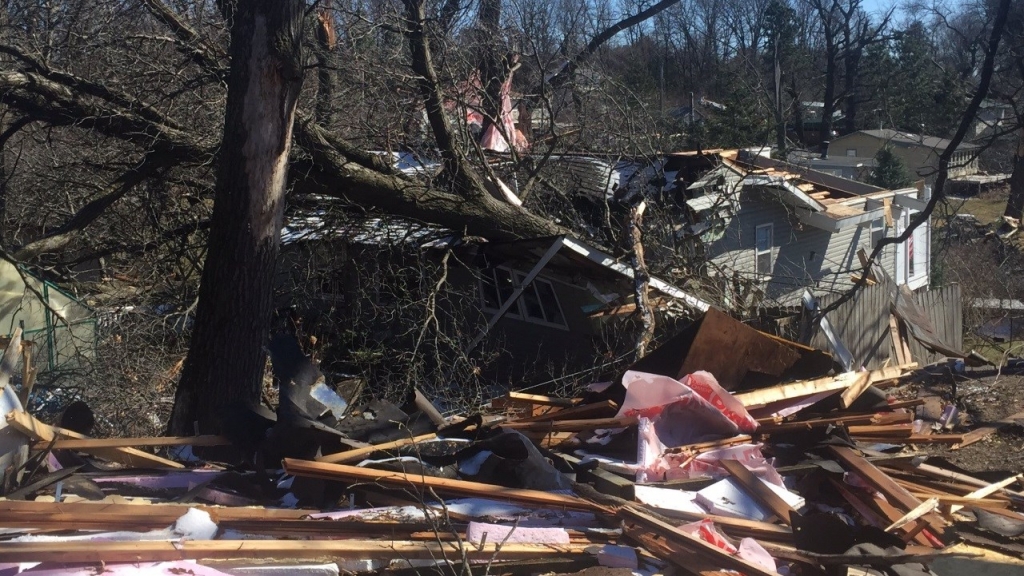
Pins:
x: 862, y: 324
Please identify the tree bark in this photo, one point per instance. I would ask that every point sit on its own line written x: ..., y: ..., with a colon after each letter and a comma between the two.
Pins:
x: 641, y: 280
x: 226, y: 360
x: 1015, y: 203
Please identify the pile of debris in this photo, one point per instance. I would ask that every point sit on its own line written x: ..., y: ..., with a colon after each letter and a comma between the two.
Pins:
x: 725, y: 449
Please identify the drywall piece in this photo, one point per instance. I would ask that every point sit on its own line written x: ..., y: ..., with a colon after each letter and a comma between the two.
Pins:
x: 727, y: 498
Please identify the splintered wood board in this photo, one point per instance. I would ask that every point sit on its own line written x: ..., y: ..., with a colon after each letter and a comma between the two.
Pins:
x: 33, y: 428
x: 354, y: 474
x: 232, y: 549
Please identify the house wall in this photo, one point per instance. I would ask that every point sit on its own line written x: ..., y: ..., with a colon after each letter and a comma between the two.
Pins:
x: 802, y: 256
x: 337, y: 288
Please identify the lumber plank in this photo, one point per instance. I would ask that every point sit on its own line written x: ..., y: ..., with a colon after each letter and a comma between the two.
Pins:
x: 571, y: 425
x: 979, y: 434
x: 882, y: 430
x: 606, y: 409
x: 943, y: 474
x: 765, y: 396
x: 109, y: 516
x: 693, y: 544
x: 710, y: 445
x: 341, y: 472
x: 898, y: 343
x: 30, y: 426
x: 924, y: 508
x: 659, y: 547
x: 357, y: 454
x: 91, y: 443
x: 221, y: 549
x: 739, y: 527
x: 763, y: 494
x: 848, y: 396
x: 543, y: 400
x: 884, y: 484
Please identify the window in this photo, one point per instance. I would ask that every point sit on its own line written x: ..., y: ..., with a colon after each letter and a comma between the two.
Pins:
x: 538, y: 303
x: 763, y: 249
x: 877, y: 231
x: 851, y: 151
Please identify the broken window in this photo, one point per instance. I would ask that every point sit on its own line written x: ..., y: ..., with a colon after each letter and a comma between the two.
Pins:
x: 538, y: 303
x: 763, y: 249
x: 877, y: 231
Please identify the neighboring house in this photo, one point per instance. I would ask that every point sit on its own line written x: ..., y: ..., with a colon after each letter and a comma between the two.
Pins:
x: 991, y: 117
x: 528, y: 309
x: 784, y: 228
x: 698, y: 112
x: 849, y: 167
x: 920, y: 154
x: 62, y: 327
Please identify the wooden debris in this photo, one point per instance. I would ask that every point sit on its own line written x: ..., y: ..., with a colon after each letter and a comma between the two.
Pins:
x: 693, y: 544
x: 979, y: 434
x: 765, y: 396
x: 925, y: 507
x: 326, y: 471
x: 884, y: 484
x: 306, y: 549
x: 87, y: 444
x: 357, y: 454
x: 28, y: 425
x: 571, y: 425
x: 764, y: 495
x: 606, y: 409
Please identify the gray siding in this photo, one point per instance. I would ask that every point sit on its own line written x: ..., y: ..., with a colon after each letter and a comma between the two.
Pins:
x: 802, y: 256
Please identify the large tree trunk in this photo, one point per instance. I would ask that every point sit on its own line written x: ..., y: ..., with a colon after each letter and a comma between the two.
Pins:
x: 1015, y: 203
x: 226, y: 359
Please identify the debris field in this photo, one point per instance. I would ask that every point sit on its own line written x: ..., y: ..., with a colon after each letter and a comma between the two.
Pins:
x: 726, y: 449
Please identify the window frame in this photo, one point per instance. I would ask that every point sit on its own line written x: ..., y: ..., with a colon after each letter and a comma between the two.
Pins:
x: 877, y: 225
x: 854, y: 150
x: 518, y: 309
x: 758, y: 252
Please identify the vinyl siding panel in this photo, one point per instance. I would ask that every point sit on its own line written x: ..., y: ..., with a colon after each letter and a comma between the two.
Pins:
x: 802, y: 256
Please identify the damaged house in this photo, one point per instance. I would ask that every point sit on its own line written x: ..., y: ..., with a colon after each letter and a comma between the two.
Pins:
x: 773, y: 229
x: 504, y: 313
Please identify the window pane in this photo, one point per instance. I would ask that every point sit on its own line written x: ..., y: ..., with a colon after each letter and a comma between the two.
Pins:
x: 764, y: 263
x: 505, y: 285
x: 764, y: 238
x: 529, y: 300
x: 489, y: 291
x: 549, y: 301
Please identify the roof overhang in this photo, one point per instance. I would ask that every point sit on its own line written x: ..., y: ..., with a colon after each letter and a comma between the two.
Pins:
x: 794, y: 196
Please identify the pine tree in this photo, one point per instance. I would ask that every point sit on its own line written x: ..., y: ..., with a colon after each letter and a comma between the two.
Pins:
x: 889, y: 172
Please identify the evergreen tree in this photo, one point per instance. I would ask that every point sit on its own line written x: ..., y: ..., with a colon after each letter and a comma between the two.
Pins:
x: 889, y: 172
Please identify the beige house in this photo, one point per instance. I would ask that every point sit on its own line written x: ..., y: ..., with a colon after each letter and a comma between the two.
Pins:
x: 920, y: 154
x: 63, y: 328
